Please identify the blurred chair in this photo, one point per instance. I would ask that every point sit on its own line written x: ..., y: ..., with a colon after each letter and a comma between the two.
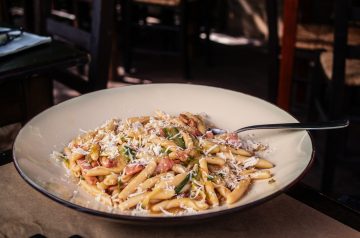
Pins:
x: 12, y: 103
x: 174, y: 16
x: 273, y: 48
x: 97, y: 42
x: 338, y: 95
x: 313, y: 36
x: 307, y: 51
x: 4, y: 11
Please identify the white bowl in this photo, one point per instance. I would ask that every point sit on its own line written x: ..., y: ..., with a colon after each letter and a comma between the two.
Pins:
x: 291, y: 151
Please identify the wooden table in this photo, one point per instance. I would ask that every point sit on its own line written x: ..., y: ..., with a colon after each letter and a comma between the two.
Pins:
x: 29, y: 72
x: 25, y: 212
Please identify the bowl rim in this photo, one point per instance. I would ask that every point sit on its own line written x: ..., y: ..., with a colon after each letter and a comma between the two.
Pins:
x: 160, y: 219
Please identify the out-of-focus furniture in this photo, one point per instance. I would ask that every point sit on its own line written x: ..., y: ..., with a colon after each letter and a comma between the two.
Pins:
x: 97, y: 42
x: 287, y: 53
x: 300, y: 207
x: 294, y: 60
x: 340, y: 98
x: 25, y: 82
x: 273, y: 49
x: 4, y: 11
x: 285, y: 49
x: 174, y: 19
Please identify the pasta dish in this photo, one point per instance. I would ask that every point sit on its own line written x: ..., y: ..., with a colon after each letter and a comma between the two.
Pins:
x: 164, y: 164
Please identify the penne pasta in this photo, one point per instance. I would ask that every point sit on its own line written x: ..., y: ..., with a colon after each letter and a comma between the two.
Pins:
x: 215, y: 160
x: 180, y: 203
x: 261, y: 174
x: 141, y: 177
x: 100, y: 195
x: 163, y: 164
x: 187, y: 139
x: 178, y: 168
x: 264, y: 164
x: 111, y: 179
x: 142, y: 120
x: 102, y: 171
x: 149, y: 183
x: 209, y: 188
x: 132, y: 202
x: 238, y: 192
x: 222, y: 190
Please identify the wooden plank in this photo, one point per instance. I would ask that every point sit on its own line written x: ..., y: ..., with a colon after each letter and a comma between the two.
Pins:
x: 12, y: 106
x: 41, y: 13
x: 41, y: 59
x: 355, y: 13
x: 38, y: 95
x: 100, y: 43
x: 273, y: 50
x: 70, y: 80
x: 29, y: 17
x: 184, y: 38
x: 4, y: 11
x: 335, y: 140
x: 325, y: 204
x: 127, y: 53
x: 69, y: 33
x: 353, y: 52
x: 287, y: 53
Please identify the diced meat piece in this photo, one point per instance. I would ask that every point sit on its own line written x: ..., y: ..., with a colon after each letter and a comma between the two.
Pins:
x: 181, y: 155
x: 233, y: 138
x: 84, y: 164
x: 184, y: 118
x: 164, y: 165
x: 101, y: 178
x: 95, y: 164
x: 91, y: 179
x: 108, y: 163
x: 209, y: 135
x: 188, y: 120
x: 133, y: 169
x: 112, y: 188
x: 162, y: 132
x: 196, y: 132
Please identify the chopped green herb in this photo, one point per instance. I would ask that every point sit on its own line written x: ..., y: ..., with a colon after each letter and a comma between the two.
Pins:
x: 164, y: 150
x: 88, y: 158
x: 63, y: 158
x: 119, y: 184
x: 210, y: 177
x: 196, y: 172
x: 182, y: 184
x: 66, y: 162
x: 128, y: 153
x: 174, y: 135
x: 195, y: 152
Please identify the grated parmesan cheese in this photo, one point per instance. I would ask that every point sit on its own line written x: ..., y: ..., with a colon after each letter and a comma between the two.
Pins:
x: 250, y: 162
x: 116, y: 134
x: 166, y: 212
x: 139, y: 210
x: 79, y: 150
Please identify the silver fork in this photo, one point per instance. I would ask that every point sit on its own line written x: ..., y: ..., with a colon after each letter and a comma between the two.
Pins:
x: 329, y: 125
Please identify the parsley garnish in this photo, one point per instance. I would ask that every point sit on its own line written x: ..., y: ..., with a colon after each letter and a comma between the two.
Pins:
x: 174, y: 135
x: 128, y: 152
x: 182, y: 184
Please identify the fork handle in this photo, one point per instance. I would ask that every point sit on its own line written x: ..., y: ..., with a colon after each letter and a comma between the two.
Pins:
x: 299, y: 126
